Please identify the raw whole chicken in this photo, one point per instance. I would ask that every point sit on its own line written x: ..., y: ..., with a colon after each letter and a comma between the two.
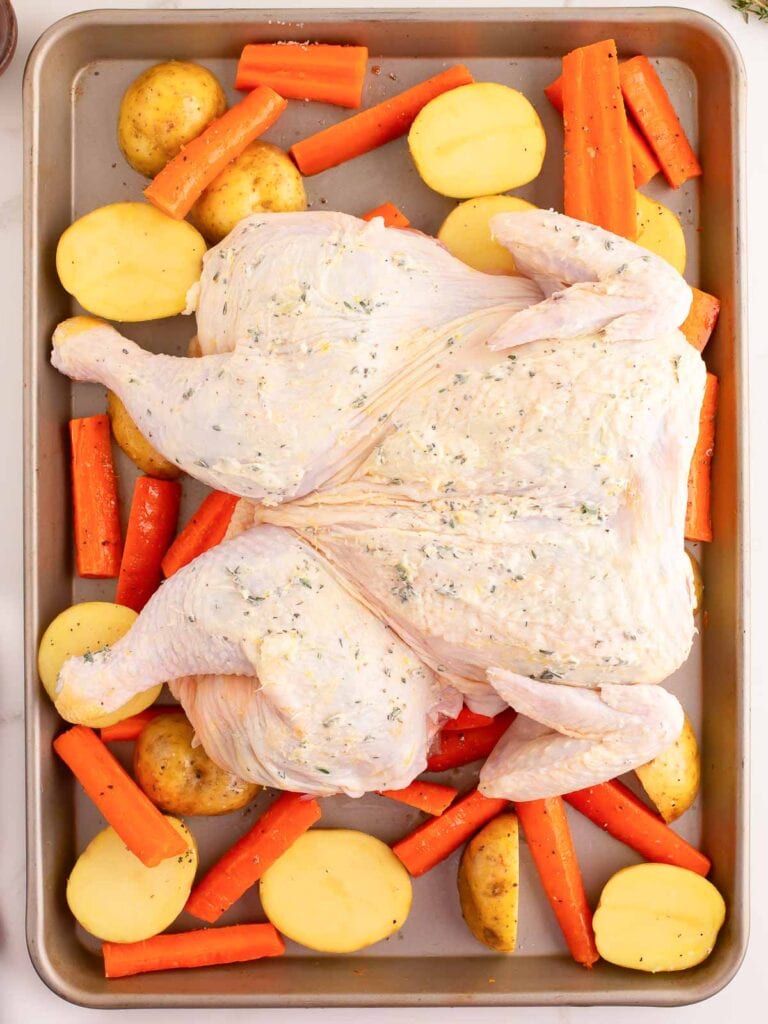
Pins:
x: 510, y: 498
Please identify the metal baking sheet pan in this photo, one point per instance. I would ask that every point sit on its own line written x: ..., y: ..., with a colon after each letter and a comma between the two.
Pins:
x: 74, y: 80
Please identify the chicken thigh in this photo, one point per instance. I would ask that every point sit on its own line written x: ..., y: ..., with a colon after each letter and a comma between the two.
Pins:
x: 300, y: 687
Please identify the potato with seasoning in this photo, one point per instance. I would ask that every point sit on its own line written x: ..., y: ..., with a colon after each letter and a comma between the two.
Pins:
x: 182, y: 779
x: 672, y: 778
x: 263, y: 178
x: 163, y: 109
x: 657, y: 917
x: 660, y: 231
x: 131, y: 440
x: 489, y: 881
x: 80, y: 631
x: 117, y: 898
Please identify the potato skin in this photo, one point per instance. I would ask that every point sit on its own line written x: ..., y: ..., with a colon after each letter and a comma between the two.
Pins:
x: 262, y: 178
x: 181, y: 779
x: 489, y: 879
x: 131, y: 440
x: 672, y: 778
x: 163, y: 109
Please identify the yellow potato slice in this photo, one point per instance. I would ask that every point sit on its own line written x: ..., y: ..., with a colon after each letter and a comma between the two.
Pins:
x: 83, y: 629
x: 117, y: 898
x: 130, y: 262
x: 466, y: 233
x: 336, y: 891
x: 660, y: 231
x: 489, y: 883
x: 672, y: 778
x: 477, y: 140
x: 698, y: 583
x: 657, y: 917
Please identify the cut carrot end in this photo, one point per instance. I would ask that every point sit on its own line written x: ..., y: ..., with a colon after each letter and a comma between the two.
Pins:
x: 698, y: 516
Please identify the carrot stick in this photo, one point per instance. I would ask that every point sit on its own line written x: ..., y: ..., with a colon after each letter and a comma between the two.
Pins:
x: 427, y: 796
x: 467, y: 719
x: 375, y: 126
x: 652, y: 108
x: 305, y: 71
x: 455, y: 749
x: 131, y: 727
x: 546, y: 831
x: 204, y: 530
x: 698, y: 516
x: 128, y: 810
x: 201, y: 948
x: 151, y: 526
x: 393, y: 217
x: 702, y: 319
x: 437, y: 838
x: 644, y: 164
x: 98, y: 540
x: 617, y: 810
x: 177, y: 187
x: 599, y: 182
x: 244, y: 863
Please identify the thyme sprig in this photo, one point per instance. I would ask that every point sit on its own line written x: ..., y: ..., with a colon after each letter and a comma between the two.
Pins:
x: 757, y: 7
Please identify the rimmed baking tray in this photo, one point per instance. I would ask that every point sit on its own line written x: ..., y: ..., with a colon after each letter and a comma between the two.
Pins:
x: 73, y: 83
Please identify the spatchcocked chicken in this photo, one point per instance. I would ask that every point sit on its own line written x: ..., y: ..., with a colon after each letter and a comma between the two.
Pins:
x: 495, y: 468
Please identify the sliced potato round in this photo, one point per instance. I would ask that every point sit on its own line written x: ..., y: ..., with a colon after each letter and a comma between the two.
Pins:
x: 83, y: 629
x: 118, y: 899
x: 262, y: 178
x: 336, y: 891
x: 135, y: 445
x: 466, y: 233
x: 477, y: 140
x: 672, y: 778
x: 163, y: 109
x: 180, y: 778
x: 660, y: 231
x: 657, y: 917
x: 489, y: 883
x: 130, y: 262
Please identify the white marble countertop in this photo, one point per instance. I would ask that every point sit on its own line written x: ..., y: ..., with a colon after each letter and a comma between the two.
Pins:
x: 23, y: 997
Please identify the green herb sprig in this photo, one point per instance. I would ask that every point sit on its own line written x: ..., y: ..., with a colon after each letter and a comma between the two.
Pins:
x: 757, y: 7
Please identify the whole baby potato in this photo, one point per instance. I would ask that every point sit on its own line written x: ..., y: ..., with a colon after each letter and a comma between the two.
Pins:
x: 163, y: 109
x: 262, y: 178
x: 182, y: 779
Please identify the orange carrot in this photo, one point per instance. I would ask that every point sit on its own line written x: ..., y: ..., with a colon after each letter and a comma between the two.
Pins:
x: 427, y: 796
x: 702, y: 319
x: 177, y: 187
x: 599, y: 182
x: 201, y: 948
x: 393, y: 217
x: 204, y: 530
x: 644, y: 164
x: 617, y: 810
x: 698, y: 516
x: 128, y: 810
x: 454, y: 749
x: 151, y: 526
x: 375, y: 126
x: 467, y: 719
x: 305, y: 71
x: 244, y: 863
x: 652, y: 108
x: 131, y: 727
x: 546, y: 831
x: 98, y: 540
x: 437, y: 838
